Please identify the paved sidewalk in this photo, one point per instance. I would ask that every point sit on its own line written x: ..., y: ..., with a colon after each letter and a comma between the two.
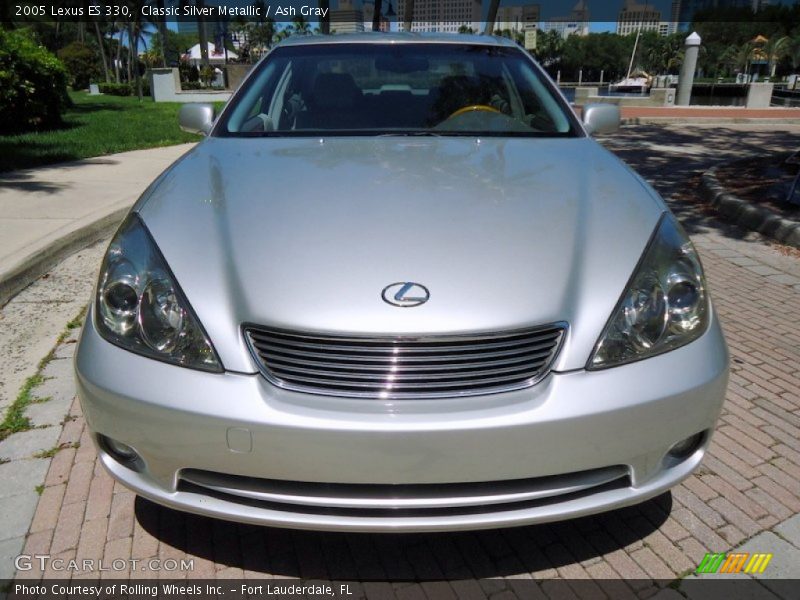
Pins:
x: 48, y: 212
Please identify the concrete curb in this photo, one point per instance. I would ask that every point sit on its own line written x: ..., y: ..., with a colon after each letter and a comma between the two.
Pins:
x: 33, y: 261
x: 749, y: 216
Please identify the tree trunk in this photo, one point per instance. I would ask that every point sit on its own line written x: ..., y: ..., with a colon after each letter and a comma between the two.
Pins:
x: 408, y: 15
x: 376, y: 15
x: 325, y: 20
x: 162, y: 33
x: 201, y: 28
x: 131, y: 50
x: 102, y: 51
x: 119, y: 56
x: 491, y: 17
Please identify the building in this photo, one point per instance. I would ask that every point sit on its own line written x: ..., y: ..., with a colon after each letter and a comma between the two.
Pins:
x: 215, y: 56
x: 386, y: 18
x: 347, y: 18
x: 683, y: 11
x: 443, y: 15
x: 576, y: 23
x: 517, y: 18
x: 635, y: 17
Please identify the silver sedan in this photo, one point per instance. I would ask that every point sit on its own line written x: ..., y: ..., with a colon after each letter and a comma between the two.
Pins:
x: 399, y: 287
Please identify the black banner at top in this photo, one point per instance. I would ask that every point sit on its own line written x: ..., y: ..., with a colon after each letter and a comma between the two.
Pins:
x: 512, y: 14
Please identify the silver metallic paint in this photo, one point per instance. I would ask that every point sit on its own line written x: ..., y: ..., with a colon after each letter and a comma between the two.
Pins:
x: 507, y: 233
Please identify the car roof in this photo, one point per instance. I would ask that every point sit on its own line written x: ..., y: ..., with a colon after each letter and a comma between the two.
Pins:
x: 377, y: 37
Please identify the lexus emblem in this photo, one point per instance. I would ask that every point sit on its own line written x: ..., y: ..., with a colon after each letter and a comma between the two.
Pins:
x: 405, y: 294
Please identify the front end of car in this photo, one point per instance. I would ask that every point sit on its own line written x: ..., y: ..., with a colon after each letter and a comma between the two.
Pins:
x: 356, y: 431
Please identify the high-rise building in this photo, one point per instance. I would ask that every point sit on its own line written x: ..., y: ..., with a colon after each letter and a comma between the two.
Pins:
x: 576, y: 23
x: 443, y: 15
x: 347, y: 18
x: 635, y: 17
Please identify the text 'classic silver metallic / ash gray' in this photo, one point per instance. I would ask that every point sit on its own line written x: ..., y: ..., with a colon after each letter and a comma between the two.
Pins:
x: 399, y: 288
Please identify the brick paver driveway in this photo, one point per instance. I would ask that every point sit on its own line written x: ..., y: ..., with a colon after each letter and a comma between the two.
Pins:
x: 749, y: 483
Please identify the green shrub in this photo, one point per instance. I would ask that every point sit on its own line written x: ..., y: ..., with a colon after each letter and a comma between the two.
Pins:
x: 191, y: 85
x: 33, y: 84
x: 123, y: 89
x: 81, y: 63
x: 116, y: 89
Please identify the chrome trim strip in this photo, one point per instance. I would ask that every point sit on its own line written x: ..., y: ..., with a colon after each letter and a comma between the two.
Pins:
x: 401, y: 496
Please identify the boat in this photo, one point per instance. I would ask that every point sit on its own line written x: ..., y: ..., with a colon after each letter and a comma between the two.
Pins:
x: 636, y: 83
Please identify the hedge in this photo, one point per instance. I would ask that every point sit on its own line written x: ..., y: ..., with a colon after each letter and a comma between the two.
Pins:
x: 115, y: 89
x: 33, y: 84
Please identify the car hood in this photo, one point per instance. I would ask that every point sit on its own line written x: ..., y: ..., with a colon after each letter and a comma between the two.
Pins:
x: 305, y: 233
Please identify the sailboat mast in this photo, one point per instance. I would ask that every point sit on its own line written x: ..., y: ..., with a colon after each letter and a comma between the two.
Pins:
x: 633, y: 54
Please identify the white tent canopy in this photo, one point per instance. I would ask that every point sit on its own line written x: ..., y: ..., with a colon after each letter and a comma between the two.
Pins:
x: 214, y: 58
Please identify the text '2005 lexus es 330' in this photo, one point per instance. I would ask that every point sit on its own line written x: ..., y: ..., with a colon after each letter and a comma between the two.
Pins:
x: 399, y: 288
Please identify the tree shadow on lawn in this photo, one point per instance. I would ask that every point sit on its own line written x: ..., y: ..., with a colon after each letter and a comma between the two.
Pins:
x: 90, y: 107
x: 18, y: 157
x: 407, y: 556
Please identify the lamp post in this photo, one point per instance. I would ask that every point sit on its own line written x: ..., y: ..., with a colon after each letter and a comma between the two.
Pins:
x: 691, y: 49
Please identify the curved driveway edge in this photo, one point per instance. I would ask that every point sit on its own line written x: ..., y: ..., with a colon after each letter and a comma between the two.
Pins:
x: 50, y: 212
x: 746, y: 214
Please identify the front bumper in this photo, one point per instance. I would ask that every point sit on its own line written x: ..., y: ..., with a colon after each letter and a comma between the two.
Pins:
x: 577, y: 443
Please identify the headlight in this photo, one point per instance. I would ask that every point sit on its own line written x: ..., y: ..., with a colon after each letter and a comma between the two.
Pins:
x: 665, y: 305
x: 140, y: 307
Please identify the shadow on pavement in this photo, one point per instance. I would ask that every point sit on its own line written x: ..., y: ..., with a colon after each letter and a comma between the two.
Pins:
x: 402, y: 557
x: 26, y: 182
x: 672, y: 159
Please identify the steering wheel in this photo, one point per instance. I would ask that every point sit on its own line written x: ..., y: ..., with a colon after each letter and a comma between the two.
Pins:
x: 473, y: 108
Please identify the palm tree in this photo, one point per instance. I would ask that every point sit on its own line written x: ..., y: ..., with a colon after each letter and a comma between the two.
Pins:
x: 300, y: 25
x: 775, y: 49
x: 738, y: 57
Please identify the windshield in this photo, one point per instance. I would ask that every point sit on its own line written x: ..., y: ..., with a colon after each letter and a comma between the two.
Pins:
x: 396, y: 89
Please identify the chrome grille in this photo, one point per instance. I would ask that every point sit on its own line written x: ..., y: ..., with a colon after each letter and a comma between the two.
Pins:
x: 405, y: 367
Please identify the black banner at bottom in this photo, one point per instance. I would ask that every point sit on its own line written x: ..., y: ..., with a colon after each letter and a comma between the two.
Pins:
x: 250, y: 589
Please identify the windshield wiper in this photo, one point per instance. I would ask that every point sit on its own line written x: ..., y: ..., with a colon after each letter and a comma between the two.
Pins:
x: 410, y: 134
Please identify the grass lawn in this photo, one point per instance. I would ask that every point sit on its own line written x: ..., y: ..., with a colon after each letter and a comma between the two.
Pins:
x: 94, y: 126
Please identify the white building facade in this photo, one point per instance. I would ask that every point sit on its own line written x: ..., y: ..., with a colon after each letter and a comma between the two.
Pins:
x: 443, y: 15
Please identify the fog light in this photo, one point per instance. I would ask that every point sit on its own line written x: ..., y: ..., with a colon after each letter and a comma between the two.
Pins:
x: 121, y: 452
x: 686, y: 447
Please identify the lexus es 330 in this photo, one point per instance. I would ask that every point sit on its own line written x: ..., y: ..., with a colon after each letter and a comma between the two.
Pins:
x: 399, y: 287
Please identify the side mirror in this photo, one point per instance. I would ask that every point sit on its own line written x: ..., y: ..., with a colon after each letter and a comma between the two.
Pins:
x: 601, y: 118
x: 196, y: 118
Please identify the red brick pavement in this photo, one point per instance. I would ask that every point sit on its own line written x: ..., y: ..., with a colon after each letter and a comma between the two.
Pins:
x: 749, y: 482
x: 717, y: 112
